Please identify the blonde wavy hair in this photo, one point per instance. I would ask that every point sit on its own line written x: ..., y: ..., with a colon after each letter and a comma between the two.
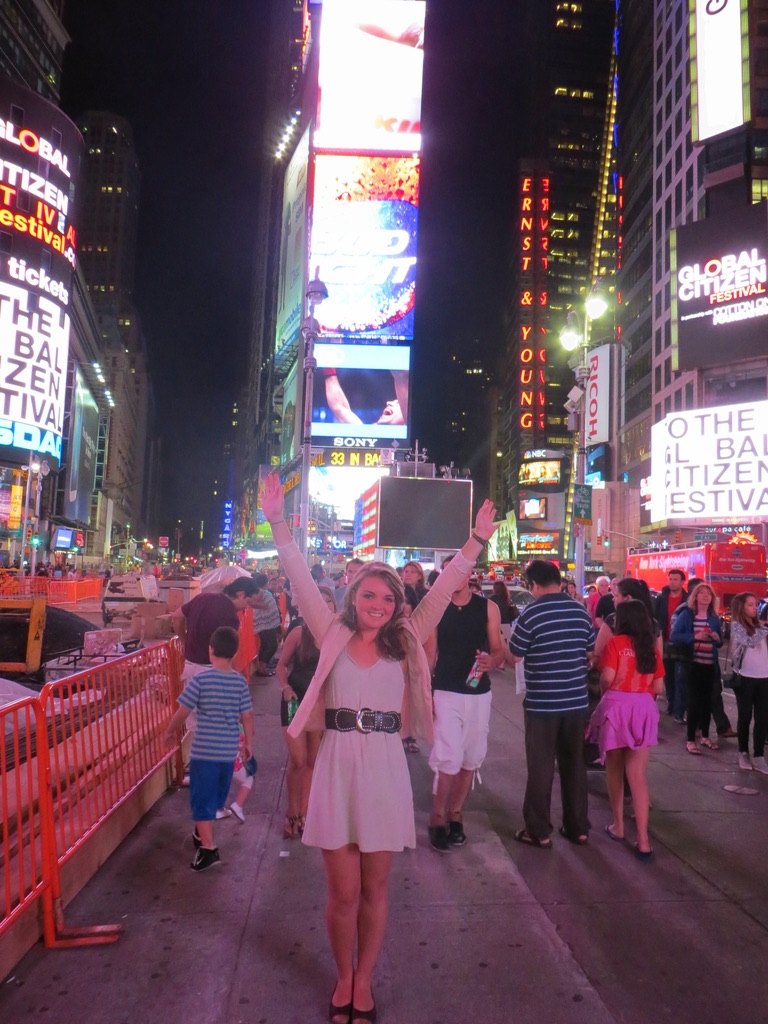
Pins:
x: 390, y: 640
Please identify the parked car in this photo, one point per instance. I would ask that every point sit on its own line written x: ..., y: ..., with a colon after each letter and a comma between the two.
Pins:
x: 519, y: 595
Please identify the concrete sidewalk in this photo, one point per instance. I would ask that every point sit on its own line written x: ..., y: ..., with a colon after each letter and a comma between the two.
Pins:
x: 493, y: 932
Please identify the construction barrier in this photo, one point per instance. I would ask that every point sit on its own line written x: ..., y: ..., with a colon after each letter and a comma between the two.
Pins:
x: 69, y: 759
x: 55, y: 591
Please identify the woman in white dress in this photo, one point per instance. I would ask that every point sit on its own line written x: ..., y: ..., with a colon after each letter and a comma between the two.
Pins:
x: 372, y: 679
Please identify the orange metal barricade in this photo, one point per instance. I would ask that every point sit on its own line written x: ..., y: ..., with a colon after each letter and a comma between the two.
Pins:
x: 56, y: 591
x: 68, y: 760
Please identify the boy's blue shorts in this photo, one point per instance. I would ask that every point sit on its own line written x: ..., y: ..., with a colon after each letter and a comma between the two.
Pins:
x: 209, y: 783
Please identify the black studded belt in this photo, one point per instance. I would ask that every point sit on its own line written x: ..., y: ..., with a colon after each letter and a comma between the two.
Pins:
x: 364, y: 720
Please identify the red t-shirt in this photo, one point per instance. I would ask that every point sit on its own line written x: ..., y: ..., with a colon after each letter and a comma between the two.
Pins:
x: 204, y: 614
x: 620, y: 656
x: 673, y: 603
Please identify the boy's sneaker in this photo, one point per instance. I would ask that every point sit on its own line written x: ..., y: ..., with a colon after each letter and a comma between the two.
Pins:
x: 438, y: 838
x: 205, y: 858
x: 238, y: 811
x: 456, y: 836
x: 223, y: 813
x: 744, y: 763
x: 197, y: 842
x: 760, y: 765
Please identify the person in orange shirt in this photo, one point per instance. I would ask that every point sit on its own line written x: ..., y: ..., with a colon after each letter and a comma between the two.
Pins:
x: 625, y: 723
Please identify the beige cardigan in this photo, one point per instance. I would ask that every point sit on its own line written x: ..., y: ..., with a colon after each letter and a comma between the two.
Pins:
x: 332, y: 636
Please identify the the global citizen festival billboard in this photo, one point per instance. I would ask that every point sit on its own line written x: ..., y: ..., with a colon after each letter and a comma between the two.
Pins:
x: 40, y: 153
x: 719, y: 280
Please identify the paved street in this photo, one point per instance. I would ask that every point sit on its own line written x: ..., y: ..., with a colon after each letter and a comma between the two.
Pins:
x: 494, y: 932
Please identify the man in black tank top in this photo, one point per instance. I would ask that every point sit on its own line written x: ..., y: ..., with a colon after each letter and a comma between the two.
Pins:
x: 465, y: 648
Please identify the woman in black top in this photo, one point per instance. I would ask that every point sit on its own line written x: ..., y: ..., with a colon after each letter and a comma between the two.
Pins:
x: 507, y: 608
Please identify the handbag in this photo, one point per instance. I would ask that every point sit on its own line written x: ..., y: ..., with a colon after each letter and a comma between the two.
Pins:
x: 678, y: 652
x: 732, y: 678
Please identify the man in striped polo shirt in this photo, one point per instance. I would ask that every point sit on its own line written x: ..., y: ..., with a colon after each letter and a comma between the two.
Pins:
x: 552, y: 637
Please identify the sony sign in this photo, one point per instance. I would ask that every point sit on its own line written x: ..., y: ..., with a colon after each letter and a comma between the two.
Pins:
x: 597, y: 398
x: 719, y: 67
x: 711, y: 463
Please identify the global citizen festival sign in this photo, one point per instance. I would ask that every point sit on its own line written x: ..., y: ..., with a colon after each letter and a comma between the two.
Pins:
x: 712, y: 463
x: 40, y: 152
x: 719, y: 276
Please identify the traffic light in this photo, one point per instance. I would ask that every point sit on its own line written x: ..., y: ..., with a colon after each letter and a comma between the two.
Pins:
x: 35, y: 540
x: 29, y: 534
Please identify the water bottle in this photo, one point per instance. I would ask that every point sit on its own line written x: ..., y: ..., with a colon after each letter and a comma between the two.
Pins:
x: 293, y: 707
x: 475, y: 674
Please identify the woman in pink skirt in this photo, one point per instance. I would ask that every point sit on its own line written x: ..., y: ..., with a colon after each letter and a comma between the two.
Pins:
x: 625, y: 723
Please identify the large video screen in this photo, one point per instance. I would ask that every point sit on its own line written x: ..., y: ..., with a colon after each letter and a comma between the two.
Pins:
x: 360, y: 396
x: 81, y: 456
x: 364, y: 235
x: 432, y: 514
x: 371, y: 66
x: 540, y: 473
x: 40, y: 152
x: 293, y: 244
x: 719, y: 67
x: 719, y: 281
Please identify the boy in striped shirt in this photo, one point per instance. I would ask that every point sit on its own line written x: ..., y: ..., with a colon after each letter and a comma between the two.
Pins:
x: 221, y: 698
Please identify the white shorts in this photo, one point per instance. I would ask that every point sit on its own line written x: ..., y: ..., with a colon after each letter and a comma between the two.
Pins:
x: 461, y: 731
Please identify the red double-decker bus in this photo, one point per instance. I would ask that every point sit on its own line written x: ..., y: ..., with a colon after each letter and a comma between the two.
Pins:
x: 728, y: 567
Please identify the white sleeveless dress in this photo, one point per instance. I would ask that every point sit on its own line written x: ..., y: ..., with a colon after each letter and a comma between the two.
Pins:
x: 361, y: 789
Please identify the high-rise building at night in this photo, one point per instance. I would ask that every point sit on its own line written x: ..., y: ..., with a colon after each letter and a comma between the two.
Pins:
x: 566, y: 232
x: 32, y: 42
x: 111, y: 180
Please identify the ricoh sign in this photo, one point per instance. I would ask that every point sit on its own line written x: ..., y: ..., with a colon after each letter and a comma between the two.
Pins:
x: 596, y: 400
x: 719, y: 271
x: 710, y: 464
x: 40, y: 151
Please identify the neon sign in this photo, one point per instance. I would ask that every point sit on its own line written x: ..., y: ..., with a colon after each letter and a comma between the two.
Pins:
x: 534, y: 265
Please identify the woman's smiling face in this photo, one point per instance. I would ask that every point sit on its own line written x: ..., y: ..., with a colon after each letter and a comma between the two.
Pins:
x: 374, y: 603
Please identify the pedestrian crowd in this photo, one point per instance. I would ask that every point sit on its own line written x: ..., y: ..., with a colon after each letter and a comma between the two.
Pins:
x: 388, y: 659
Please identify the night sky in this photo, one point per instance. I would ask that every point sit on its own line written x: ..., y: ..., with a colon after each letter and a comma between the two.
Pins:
x: 188, y: 75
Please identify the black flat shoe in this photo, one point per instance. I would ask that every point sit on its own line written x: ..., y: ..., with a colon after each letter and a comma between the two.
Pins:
x: 336, y: 1013
x: 359, y: 1015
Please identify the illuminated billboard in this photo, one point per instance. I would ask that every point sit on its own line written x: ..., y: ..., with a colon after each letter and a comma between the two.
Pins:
x: 720, y: 98
x: 360, y: 395
x: 293, y: 245
x: 719, y: 278
x: 540, y: 473
x: 292, y: 422
x: 538, y: 545
x: 81, y: 458
x: 40, y: 152
x: 711, y: 463
x: 364, y: 234
x: 597, y: 404
x: 371, y: 66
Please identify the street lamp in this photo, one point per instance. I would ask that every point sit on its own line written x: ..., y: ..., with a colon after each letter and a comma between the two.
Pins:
x: 43, y: 469
x: 32, y: 467
x: 575, y: 335
x: 316, y: 293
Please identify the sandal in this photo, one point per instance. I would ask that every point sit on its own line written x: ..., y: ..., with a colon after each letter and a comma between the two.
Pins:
x: 524, y: 836
x: 580, y: 840
x: 612, y: 835
x: 335, y: 1012
x: 709, y: 744
x: 291, y: 827
x: 411, y: 746
x: 302, y: 822
x: 693, y: 749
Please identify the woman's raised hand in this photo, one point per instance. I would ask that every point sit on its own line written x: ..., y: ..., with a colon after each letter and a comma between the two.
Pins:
x: 484, y: 524
x: 272, y: 499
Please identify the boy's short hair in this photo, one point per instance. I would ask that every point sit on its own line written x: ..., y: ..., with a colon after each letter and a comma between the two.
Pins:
x: 224, y: 642
x: 260, y: 579
x: 543, y: 573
